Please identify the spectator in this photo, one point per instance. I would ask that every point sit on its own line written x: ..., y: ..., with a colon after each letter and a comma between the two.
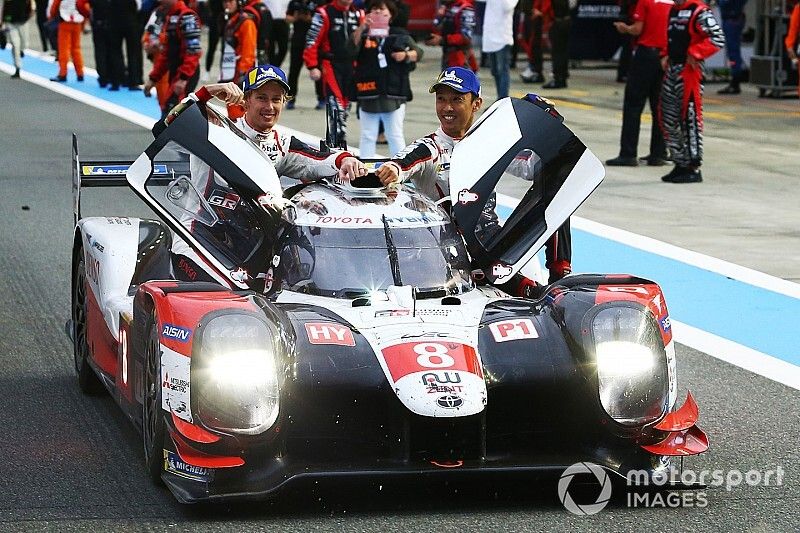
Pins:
x: 125, y: 28
x: 791, y: 41
x: 15, y: 14
x: 732, y: 13
x: 215, y: 24
x: 151, y: 42
x: 180, y: 53
x: 263, y: 19
x: 328, y: 58
x: 279, y: 31
x: 644, y: 81
x: 455, y: 27
x: 381, y: 79
x: 498, y: 36
x: 41, y: 23
x: 70, y: 15
x: 558, y: 13
x: 238, y: 42
x: 529, y: 35
x: 693, y: 34
x: 299, y: 13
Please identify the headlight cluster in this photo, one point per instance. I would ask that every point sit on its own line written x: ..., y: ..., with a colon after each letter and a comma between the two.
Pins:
x: 631, y: 365
x: 234, y: 377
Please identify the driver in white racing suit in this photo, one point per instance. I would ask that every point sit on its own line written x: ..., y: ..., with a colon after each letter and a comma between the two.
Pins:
x: 426, y: 161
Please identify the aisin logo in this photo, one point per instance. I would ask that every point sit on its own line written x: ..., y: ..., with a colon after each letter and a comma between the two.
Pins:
x: 602, y: 498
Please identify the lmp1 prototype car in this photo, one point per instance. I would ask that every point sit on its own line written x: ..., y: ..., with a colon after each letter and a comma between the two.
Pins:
x: 345, y: 335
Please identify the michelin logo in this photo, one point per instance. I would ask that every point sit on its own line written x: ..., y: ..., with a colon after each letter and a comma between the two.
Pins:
x: 174, y: 464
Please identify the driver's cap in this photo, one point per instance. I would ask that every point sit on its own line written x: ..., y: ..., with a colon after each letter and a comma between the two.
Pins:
x: 460, y: 79
x: 263, y: 74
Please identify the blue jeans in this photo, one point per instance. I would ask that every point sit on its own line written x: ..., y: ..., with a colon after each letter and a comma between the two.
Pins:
x: 392, y: 126
x: 501, y: 70
x: 733, y: 44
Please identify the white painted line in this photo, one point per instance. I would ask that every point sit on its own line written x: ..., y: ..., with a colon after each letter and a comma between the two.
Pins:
x: 738, y: 355
x: 654, y: 246
x: 713, y: 345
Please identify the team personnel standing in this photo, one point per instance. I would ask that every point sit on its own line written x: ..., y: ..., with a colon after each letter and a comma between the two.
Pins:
x: 180, y: 53
x: 70, y: 15
x: 732, y: 14
x: 643, y: 81
x: 498, y: 37
x: 693, y: 34
x: 792, y: 43
x: 454, y: 30
x: 530, y: 38
x: 328, y: 58
x: 426, y: 161
x: 238, y: 42
x: 263, y: 19
x: 299, y: 13
x: 279, y: 31
x: 15, y: 13
x: 151, y: 42
x: 558, y: 13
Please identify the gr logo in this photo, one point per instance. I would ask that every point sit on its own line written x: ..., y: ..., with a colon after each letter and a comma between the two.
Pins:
x: 590, y: 508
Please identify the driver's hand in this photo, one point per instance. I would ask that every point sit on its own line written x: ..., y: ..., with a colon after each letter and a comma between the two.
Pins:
x: 228, y: 92
x: 351, y: 169
x: 388, y: 174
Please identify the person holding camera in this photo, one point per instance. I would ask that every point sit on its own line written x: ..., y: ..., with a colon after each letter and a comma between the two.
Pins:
x: 384, y: 57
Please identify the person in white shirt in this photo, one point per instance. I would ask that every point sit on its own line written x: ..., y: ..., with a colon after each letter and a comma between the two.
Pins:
x: 498, y: 37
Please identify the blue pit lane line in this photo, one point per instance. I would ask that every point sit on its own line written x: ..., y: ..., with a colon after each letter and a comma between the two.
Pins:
x: 754, y: 317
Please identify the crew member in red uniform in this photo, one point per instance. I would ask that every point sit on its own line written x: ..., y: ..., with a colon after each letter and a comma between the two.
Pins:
x: 426, y: 162
x: 693, y: 34
x: 327, y: 57
x: 180, y: 56
x: 792, y: 42
x: 643, y: 81
x: 238, y: 42
x: 454, y: 29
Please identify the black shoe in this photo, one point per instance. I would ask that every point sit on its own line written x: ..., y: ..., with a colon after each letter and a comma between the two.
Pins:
x: 134, y: 88
x: 102, y: 83
x: 623, y: 162
x: 22, y: 53
x: 290, y: 104
x: 677, y: 169
x: 60, y: 79
x: 555, y: 84
x: 688, y: 176
x: 113, y: 87
x: 651, y: 161
x: 15, y: 76
x: 730, y: 89
x: 80, y: 78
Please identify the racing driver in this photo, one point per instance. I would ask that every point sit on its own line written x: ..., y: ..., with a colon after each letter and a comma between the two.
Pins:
x: 263, y: 94
x: 426, y: 160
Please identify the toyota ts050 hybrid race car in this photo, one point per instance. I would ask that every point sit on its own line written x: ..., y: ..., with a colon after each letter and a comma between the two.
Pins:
x: 344, y: 335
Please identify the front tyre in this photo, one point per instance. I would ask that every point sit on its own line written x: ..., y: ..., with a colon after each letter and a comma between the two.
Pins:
x: 88, y: 381
x: 153, y: 425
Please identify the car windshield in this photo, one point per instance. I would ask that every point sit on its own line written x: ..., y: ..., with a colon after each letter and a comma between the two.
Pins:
x: 353, y: 262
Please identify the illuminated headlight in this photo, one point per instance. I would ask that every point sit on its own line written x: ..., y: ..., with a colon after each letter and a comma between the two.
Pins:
x: 234, y: 377
x: 631, y: 365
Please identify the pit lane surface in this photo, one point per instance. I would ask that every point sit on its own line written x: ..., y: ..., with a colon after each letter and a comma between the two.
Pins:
x: 72, y: 462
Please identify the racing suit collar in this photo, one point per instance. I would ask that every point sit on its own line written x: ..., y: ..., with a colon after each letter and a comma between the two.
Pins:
x: 442, y: 136
x: 252, y: 133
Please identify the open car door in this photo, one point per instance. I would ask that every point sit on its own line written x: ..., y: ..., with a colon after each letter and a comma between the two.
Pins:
x: 524, y: 148
x: 212, y: 199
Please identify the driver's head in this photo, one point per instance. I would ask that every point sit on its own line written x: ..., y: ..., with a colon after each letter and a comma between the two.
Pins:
x: 265, y: 92
x: 458, y: 98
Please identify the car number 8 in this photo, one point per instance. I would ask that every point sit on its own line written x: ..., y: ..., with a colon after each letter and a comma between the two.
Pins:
x: 433, y: 355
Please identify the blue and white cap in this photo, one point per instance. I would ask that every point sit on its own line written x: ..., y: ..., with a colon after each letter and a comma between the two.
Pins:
x: 460, y: 79
x: 263, y: 74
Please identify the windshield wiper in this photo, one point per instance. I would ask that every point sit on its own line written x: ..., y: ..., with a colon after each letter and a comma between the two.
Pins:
x: 392, y: 249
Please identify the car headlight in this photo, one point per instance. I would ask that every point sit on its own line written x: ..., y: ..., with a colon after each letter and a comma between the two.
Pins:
x: 234, y: 377
x: 631, y: 364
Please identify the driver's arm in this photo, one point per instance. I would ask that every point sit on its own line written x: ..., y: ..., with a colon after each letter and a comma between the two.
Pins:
x: 303, y: 161
x: 416, y: 162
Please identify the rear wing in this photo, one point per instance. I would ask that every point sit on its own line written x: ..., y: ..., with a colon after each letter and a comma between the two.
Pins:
x: 104, y: 174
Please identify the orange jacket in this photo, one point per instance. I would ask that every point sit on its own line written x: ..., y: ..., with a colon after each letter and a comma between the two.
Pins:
x: 794, y: 29
x: 241, y: 33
